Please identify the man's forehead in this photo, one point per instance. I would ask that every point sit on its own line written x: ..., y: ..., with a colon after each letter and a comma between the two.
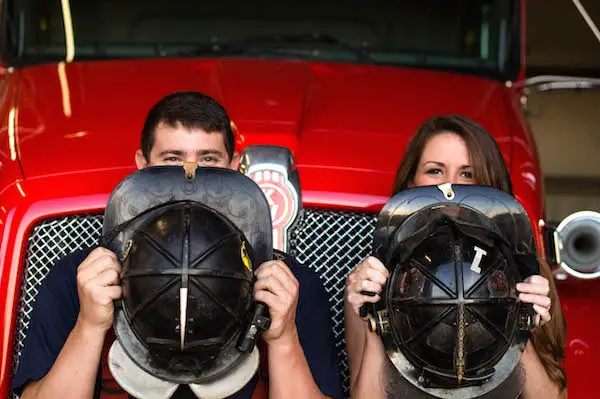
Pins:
x: 181, y: 138
x: 165, y: 126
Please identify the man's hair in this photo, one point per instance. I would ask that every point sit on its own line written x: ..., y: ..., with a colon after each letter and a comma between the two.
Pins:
x: 191, y: 110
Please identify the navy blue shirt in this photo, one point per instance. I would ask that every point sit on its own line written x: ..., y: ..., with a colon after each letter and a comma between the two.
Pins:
x: 57, y: 308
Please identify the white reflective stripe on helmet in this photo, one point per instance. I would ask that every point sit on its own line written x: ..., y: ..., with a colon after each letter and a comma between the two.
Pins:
x: 232, y: 381
x: 134, y: 380
x: 143, y: 385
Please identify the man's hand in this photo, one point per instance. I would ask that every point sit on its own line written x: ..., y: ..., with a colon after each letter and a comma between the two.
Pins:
x: 98, y: 286
x: 277, y: 287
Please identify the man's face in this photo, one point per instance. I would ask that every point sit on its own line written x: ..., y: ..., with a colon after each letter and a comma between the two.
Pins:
x: 175, y: 145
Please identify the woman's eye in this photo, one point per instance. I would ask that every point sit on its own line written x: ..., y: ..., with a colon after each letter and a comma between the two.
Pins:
x: 434, y: 171
x: 467, y: 175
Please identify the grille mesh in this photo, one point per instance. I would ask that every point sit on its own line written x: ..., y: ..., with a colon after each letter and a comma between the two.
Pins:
x: 50, y: 240
x: 331, y: 242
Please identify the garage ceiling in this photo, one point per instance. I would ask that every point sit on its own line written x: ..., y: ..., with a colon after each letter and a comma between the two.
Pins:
x: 559, y: 40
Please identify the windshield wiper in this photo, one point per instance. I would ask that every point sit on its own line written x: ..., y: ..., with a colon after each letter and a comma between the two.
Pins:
x: 315, y: 39
x: 273, y: 44
x: 215, y: 48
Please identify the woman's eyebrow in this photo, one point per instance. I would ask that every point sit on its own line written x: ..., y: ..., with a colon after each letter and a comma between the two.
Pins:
x: 435, y: 163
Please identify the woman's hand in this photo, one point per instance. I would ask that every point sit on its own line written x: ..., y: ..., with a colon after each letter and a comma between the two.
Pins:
x: 370, y: 275
x: 535, y: 290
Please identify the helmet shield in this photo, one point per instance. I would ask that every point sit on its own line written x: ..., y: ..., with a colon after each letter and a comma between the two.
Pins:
x: 450, y: 318
x: 188, y: 248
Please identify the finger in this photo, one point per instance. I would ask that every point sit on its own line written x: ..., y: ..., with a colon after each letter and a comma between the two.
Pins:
x: 267, y: 266
x: 363, y: 299
x: 532, y: 288
x: 106, y: 278
x: 359, y: 273
x: 94, y: 255
x: 543, y: 312
x: 267, y: 298
x: 367, y: 285
x: 283, y: 266
x: 278, y: 271
x: 543, y: 301
x: 375, y: 276
x: 537, y: 279
x: 375, y: 264
x: 275, y: 272
x: 359, y: 270
x: 97, y: 267
x: 109, y: 294
x: 359, y: 299
x: 114, y: 291
x: 271, y: 284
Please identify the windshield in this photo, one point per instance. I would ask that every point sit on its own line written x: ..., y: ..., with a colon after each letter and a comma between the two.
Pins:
x: 477, y: 36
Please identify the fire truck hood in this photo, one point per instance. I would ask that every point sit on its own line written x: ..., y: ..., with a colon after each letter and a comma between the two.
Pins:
x: 347, y: 124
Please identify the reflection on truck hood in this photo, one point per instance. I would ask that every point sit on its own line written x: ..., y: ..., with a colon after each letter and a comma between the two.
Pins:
x: 345, y: 123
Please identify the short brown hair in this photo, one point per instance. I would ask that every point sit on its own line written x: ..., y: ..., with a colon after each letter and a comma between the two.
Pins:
x: 191, y: 110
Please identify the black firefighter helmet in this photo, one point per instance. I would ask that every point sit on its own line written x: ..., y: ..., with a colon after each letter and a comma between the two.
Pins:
x: 449, y: 317
x: 188, y: 240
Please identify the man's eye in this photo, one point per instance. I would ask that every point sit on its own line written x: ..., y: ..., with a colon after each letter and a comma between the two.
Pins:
x: 209, y: 160
x: 172, y: 159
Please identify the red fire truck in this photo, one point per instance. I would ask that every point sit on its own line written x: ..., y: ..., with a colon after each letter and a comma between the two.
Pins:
x: 341, y: 86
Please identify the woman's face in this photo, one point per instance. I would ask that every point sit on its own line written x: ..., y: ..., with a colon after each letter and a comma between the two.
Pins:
x: 445, y: 158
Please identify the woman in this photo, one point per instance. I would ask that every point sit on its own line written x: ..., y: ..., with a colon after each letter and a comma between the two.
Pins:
x: 453, y: 149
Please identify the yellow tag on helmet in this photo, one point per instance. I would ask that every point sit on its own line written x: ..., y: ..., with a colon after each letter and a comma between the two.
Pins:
x: 245, y: 257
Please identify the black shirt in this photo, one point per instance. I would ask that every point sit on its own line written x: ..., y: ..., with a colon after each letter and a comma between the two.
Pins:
x: 57, y: 308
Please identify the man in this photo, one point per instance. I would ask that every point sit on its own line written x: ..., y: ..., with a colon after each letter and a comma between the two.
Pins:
x: 74, y: 310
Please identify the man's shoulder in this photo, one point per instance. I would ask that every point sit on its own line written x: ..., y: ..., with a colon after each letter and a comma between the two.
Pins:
x: 311, y: 286
x: 64, y: 271
x: 302, y: 272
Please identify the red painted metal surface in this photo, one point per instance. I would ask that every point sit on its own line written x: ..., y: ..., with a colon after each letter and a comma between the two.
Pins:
x: 579, y: 300
x: 346, y: 138
x: 77, y: 127
x: 24, y: 203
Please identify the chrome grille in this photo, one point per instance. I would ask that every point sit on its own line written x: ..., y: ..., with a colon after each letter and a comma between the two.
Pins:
x: 331, y: 242
x: 48, y: 242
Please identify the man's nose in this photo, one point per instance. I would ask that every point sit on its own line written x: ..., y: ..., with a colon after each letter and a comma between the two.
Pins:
x: 190, y: 159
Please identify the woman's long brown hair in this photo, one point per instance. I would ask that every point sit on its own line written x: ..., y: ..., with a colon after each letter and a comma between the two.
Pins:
x: 489, y: 169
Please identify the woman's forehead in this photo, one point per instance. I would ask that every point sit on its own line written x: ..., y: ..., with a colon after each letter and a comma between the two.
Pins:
x: 446, y: 147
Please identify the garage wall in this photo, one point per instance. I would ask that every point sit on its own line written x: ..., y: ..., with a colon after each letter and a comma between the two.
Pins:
x: 566, y: 124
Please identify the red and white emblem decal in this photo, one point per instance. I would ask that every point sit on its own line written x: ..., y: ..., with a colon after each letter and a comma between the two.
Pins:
x: 282, y: 198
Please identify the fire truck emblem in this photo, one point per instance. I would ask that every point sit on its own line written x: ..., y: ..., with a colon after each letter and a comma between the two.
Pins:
x: 272, y: 169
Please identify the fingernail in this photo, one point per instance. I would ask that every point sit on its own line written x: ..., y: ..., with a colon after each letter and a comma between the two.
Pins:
x: 519, y: 286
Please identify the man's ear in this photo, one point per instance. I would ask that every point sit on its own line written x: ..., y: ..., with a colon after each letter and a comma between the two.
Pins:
x: 140, y: 160
x: 235, y: 161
